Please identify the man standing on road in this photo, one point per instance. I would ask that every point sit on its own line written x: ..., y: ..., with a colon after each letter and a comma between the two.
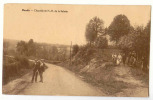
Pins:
x: 35, y: 71
x: 41, y: 70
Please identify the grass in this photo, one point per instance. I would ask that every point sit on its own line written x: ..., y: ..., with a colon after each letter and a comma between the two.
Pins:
x: 15, y: 67
x: 105, y: 80
x: 103, y: 75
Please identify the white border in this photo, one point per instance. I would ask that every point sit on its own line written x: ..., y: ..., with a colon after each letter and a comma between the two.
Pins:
x: 90, y: 2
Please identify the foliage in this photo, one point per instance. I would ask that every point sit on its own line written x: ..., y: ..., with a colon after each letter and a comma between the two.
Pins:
x: 15, y: 67
x: 84, y: 55
x: 101, y: 42
x: 119, y: 27
x: 147, y: 37
x: 22, y: 47
x: 23, y: 61
x: 139, y: 41
x: 75, y: 50
x: 62, y: 54
x: 5, y: 47
x: 28, y: 49
x: 93, y: 28
x: 31, y: 47
x: 41, y: 51
x: 127, y: 42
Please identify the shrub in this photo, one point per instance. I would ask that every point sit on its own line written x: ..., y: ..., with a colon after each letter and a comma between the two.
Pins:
x: 84, y: 55
x: 23, y: 61
x: 15, y: 67
x: 10, y: 70
x: 101, y: 43
x: 75, y: 50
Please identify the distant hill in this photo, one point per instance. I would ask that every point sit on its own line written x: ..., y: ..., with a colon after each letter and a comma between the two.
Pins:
x: 12, y: 44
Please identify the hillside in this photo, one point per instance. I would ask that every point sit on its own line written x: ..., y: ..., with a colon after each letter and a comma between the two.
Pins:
x: 96, y: 67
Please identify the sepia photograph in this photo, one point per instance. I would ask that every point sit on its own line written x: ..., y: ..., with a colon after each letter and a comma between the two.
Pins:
x: 76, y: 50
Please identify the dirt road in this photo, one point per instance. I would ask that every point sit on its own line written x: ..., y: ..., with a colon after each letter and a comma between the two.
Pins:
x: 137, y: 83
x: 57, y: 81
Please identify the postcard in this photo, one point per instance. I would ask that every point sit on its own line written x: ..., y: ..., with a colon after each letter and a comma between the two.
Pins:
x: 76, y: 50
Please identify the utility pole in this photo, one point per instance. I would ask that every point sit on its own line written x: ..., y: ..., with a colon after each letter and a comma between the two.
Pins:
x: 70, y: 54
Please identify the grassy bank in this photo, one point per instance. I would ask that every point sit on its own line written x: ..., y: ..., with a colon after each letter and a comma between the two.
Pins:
x: 95, y: 67
x: 15, y: 67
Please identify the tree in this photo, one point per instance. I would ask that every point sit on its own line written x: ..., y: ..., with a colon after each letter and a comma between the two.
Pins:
x: 31, y: 41
x: 126, y: 42
x: 138, y: 40
x: 93, y: 28
x: 44, y: 53
x: 5, y: 44
x: 31, y: 48
x: 22, y: 47
x: 146, y: 41
x: 132, y: 41
x: 54, y: 53
x: 75, y: 50
x: 147, y: 33
x: 119, y: 27
x: 62, y: 54
x: 5, y: 47
x: 147, y: 29
x: 54, y: 50
x: 101, y: 42
x: 142, y: 44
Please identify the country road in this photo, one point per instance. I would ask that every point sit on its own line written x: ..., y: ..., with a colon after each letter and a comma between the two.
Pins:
x: 57, y: 81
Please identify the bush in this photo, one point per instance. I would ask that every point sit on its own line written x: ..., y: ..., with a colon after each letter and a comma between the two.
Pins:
x: 23, y: 61
x: 75, y: 50
x: 15, y: 67
x: 10, y: 70
x: 101, y: 43
x: 84, y: 55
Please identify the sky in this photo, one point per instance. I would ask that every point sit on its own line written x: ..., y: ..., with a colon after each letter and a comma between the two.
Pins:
x: 63, y: 27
